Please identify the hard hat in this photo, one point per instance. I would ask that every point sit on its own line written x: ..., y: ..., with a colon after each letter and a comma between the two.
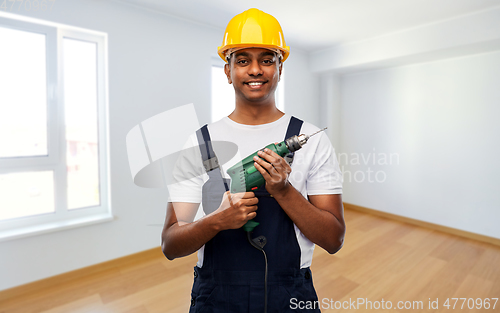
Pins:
x: 253, y: 29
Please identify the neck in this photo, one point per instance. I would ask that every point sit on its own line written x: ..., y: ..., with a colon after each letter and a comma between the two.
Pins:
x: 255, y: 114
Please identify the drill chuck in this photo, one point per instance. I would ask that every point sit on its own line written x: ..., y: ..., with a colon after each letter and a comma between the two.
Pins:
x: 296, y: 142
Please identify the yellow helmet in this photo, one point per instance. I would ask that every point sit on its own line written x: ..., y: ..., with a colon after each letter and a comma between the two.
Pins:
x: 256, y: 29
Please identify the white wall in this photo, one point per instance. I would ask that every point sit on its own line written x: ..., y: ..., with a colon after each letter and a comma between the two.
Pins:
x: 156, y: 62
x: 301, y: 88
x: 329, y: 107
x: 435, y: 120
x: 441, y: 119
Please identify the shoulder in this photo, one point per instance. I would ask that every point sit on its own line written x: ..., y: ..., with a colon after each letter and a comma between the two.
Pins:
x: 214, y: 127
x: 221, y: 125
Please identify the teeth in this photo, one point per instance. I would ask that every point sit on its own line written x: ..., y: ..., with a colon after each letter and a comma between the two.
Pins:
x: 255, y: 84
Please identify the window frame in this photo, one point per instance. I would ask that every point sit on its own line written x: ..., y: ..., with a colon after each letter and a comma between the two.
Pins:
x: 55, y: 161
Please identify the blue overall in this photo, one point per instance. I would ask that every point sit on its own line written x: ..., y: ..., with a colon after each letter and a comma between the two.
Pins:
x: 232, y: 276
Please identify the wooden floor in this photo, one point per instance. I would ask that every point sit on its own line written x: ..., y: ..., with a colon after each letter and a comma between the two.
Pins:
x: 381, y: 260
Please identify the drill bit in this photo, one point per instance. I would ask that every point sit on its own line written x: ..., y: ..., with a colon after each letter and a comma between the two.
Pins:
x: 316, y: 132
x: 296, y: 142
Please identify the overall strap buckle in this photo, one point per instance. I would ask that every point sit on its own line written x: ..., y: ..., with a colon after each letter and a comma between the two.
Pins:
x: 211, y: 164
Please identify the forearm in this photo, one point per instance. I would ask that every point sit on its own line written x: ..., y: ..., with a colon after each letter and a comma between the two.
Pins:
x: 182, y: 239
x: 320, y: 226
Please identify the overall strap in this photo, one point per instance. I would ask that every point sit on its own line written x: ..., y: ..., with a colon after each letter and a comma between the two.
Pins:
x: 210, y: 161
x: 293, y: 130
x: 293, y: 127
x: 208, y: 156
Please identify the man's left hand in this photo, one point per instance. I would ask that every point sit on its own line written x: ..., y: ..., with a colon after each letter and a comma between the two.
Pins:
x: 275, y: 171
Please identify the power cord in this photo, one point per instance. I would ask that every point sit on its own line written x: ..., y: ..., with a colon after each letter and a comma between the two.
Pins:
x: 259, y: 243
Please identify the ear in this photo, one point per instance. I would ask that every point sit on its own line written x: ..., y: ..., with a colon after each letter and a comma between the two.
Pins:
x: 227, y: 70
x: 280, y: 70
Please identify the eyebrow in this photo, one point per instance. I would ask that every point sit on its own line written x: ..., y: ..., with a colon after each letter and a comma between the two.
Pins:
x: 245, y: 54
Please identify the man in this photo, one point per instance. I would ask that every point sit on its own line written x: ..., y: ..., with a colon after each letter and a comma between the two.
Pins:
x: 299, y: 206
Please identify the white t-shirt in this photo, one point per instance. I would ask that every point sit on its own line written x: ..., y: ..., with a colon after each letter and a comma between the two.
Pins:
x: 315, y: 170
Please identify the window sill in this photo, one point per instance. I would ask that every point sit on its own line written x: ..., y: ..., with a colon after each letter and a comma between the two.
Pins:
x: 28, y: 231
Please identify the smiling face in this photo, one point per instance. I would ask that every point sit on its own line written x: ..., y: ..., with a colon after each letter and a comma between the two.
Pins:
x: 254, y: 73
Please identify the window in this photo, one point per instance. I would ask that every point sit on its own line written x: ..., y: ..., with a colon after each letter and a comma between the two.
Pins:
x: 53, y: 127
x: 223, y: 93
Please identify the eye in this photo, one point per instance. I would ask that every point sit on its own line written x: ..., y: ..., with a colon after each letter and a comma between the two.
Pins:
x: 268, y: 61
x: 241, y: 61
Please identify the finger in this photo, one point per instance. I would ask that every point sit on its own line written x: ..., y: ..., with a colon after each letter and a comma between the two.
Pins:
x: 282, y: 167
x: 237, y: 197
x: 268, y: 166
x: 263, y: 171
x: 278, y: 166
x: 272, y: 153
x: 251, y: 216
x: 286, y: 167
x: 274, y: 159
x: 243, y: 195
x: 251, y: 201
x: 274, y: 168
x: 252, y: 208
x: 266, y: 154
x: 230, y: 198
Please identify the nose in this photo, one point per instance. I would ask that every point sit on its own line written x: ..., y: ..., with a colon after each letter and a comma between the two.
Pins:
x: 255, y: 69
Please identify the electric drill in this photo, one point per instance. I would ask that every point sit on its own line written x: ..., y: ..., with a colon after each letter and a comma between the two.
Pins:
x: 245, y: 177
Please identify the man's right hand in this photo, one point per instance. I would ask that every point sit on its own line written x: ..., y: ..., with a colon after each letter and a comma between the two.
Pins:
x: 236, y: 209
x: 183, y: 237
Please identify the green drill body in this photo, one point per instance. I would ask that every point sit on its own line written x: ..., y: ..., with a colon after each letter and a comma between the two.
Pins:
x: 245, y: 177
